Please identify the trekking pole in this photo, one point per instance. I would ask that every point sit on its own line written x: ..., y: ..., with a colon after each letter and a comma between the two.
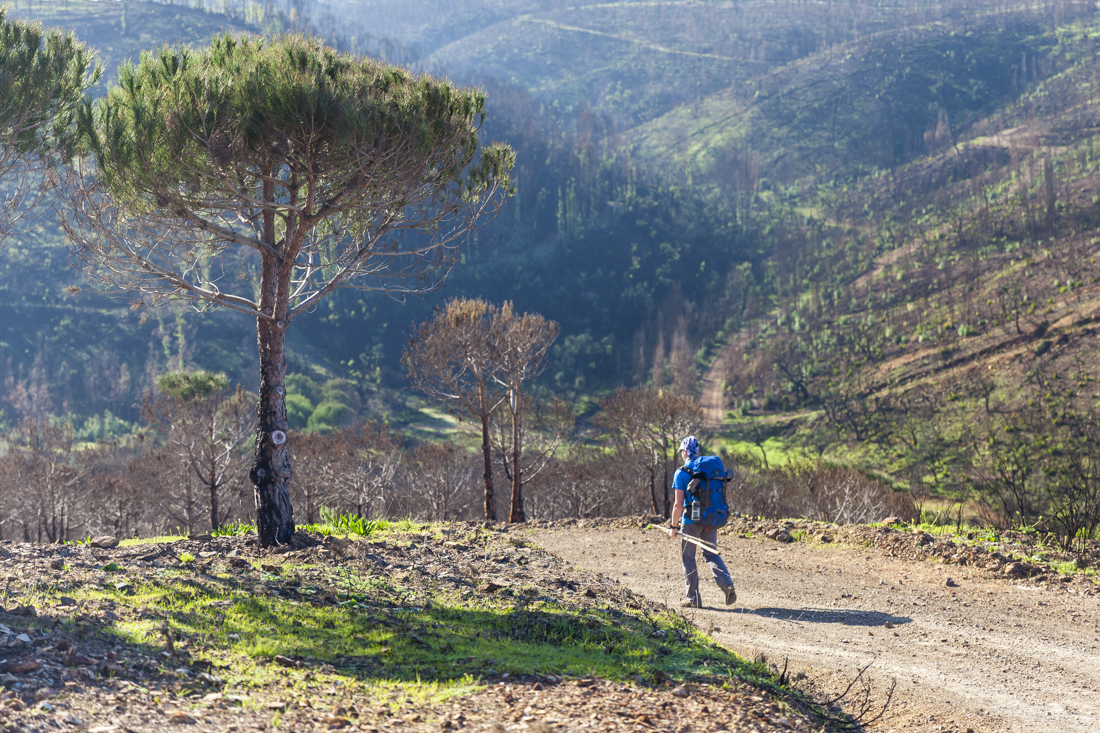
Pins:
x: 692, y: 540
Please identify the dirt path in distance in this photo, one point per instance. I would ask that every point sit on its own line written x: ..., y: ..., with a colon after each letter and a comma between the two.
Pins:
x: 712, y: 394
x: 987, y: 655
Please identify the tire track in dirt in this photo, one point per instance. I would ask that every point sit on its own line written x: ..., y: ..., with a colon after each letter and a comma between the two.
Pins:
x: 987, y: 655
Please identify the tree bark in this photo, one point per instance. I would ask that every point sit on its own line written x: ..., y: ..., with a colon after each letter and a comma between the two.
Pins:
x: 214, y: 523
x: 668, y: 502
x: 653, y: 487
x: 517, y: 513
x: 271, y: 470
x: 487, y: 456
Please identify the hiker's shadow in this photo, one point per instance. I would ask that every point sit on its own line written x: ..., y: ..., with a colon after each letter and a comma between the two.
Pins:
x: 841, y: 616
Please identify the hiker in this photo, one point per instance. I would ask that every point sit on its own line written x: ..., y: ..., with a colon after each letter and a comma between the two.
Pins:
x: 710, y: 518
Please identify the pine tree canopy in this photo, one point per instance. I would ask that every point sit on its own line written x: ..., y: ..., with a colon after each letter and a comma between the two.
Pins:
x: 320, y: 160
x: 43, y: 78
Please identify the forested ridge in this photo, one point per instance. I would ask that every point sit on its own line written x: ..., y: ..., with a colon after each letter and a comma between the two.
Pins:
x: 879, y: 221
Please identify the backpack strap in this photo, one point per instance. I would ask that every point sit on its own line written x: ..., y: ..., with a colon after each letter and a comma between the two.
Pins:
x: 697, y: 478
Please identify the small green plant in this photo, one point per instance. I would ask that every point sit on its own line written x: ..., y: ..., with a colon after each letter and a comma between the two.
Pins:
x: 187, y: 558
x: 321, y: 529
x: 347, y: 523
x: 113, y: 567
x: 236, y: 529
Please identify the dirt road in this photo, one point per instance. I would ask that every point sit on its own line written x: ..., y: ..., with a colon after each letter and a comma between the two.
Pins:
x: 987, y: 655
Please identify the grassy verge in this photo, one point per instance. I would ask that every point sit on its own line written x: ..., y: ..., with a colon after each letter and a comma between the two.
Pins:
x: 403, y: 616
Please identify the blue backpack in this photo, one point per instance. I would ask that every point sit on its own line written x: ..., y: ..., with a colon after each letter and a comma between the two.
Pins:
x: 707, y: 486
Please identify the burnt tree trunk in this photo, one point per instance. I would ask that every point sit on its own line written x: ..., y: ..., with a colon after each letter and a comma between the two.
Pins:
x: 668, y: 501
x: 517, y: 513
x: 214, y: 522
x: 271, y: 470
x: 653, y: 487
x: 487, y: 456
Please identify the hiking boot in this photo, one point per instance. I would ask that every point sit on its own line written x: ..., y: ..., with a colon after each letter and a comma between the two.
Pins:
x: 731, y: 595
x: 689, y: 603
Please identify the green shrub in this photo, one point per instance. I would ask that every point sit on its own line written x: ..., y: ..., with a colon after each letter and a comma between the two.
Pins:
x: 342, y: 391
x: 347, y: 523
x: 302, y: 385
x: 233, y: 530
x: 298, y: 411
x: 329, y: 415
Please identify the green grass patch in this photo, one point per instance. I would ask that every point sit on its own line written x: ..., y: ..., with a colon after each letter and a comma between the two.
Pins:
x: 779, y: 450
x: 377, y: 633
x: 162, y: 539
x: 236, y: 529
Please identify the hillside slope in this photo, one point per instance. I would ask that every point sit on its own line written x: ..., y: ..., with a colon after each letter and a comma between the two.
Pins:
x: 121, y: 31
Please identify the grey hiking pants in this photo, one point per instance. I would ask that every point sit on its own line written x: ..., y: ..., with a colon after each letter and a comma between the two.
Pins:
x: 691, y: 572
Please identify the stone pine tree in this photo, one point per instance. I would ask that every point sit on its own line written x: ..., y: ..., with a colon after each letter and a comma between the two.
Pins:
x: 453, y: 357
x: 261, y: 175
x: 43, y: 78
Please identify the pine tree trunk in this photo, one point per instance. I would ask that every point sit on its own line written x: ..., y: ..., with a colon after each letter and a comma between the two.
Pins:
x: 668, y: 502
x: 271, y: 469
x: 653, y: 488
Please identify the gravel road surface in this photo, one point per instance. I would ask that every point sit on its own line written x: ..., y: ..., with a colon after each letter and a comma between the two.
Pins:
x: 984, y: 654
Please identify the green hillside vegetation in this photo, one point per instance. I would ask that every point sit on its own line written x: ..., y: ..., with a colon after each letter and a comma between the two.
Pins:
x: 858, y: 211
x: 122, y: 30
x: 860, y: 106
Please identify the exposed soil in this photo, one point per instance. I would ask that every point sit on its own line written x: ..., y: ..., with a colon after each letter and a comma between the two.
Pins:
x: 988, y: 645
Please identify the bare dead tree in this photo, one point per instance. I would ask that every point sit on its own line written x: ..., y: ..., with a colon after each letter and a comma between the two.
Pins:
x: 41, y: 471
x: 206, y: 423
x: 652, y: 420
x: 371, y: 458
x: 453, y: 358
x: 522, y: 347
x: 272, y: 173
x: 439, y: 480
x: 319, y: 458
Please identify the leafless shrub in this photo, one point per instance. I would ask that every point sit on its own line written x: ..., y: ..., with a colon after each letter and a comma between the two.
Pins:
x: 819, y: 491
x: 442, y: 483
x: 41, y: 474
x: 352, y: 469
x: 205, y: 424
x: 372, y: 459
x: 643, y: 420
x: 118, y: 497
x: 168, y: 484
x: 591, y: 482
